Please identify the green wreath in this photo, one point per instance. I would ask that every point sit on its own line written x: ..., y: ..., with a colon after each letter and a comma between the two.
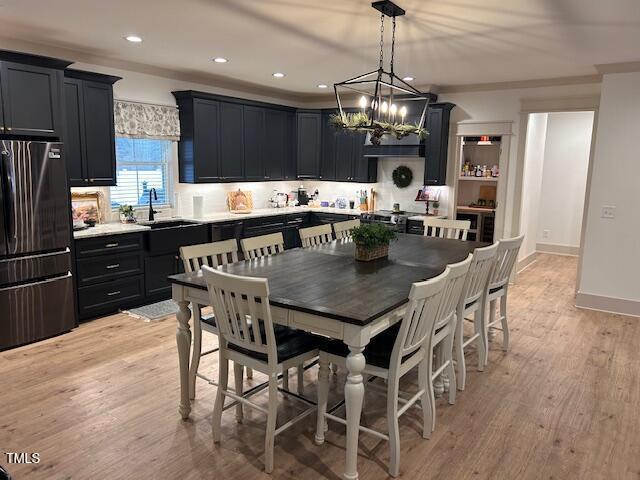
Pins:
x: 402, y: 176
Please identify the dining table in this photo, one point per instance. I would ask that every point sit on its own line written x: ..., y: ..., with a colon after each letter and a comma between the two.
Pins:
x: 324, y: 290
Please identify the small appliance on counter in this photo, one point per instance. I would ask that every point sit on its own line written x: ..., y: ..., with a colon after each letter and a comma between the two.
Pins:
x: 278, y: 199
x: 303, y: 196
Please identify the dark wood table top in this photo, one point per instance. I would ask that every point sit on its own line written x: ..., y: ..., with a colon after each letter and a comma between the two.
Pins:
x: 328, y: 281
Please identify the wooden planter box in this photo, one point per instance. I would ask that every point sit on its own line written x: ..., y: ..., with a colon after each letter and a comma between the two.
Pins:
x: 364, y: 254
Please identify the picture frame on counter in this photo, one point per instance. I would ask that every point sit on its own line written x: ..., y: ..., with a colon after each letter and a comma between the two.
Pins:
x: 87, y: 207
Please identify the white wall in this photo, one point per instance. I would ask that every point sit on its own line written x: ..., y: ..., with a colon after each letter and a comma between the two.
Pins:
x: 611, y: 259
x: 564, y: 178
x: 532, y: 181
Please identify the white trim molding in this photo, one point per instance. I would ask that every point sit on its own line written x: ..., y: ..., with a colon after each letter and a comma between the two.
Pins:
x: 560, y: 104
x: 619, y: 306
x: 558, y: 249
x: 622, y: 67
x: 474, y: 129
x: 526, y: 261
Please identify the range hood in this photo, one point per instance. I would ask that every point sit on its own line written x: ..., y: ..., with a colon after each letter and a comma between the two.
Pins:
x: 410, y: 146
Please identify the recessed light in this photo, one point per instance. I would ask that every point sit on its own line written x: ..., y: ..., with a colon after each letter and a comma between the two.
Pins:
x: 220, y: 60
x: 322, y: 85
x: 278, y: 75
x: 133, y: 38
x: 408, y: 79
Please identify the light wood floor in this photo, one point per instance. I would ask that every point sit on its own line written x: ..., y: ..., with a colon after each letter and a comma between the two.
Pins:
x: 564, y: 403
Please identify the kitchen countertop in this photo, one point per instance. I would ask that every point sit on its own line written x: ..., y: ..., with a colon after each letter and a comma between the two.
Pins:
x: 114, y: 228
x: 420, y: 218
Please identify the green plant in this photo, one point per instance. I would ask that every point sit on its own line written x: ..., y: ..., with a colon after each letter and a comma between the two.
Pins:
x: 126, y: 210
x: 359, y: 121
x: 372, y: 235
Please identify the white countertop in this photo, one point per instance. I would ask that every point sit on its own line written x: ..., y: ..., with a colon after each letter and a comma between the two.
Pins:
x: 421, y: 218
x: 115, y: 228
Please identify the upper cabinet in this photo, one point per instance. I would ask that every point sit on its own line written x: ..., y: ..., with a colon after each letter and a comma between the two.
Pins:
x: 343, y: 157
x: 437, y: 143
x: 89, y: 134
x: 225, y: 139
x: 309, y: 144
x: 30, y: 95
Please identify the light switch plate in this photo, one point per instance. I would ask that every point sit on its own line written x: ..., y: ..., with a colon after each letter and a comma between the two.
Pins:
x: 608, y: 211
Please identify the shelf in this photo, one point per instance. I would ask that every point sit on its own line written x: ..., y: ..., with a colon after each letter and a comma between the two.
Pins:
x: 477, y: 210
x: 479, y: 179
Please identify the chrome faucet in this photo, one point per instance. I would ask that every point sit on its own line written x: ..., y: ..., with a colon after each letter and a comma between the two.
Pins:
x: 151, y: 210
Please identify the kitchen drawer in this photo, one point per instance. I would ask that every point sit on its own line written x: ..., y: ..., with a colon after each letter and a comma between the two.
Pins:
x: 299, y: 221
x: 415, y: 226
x: 170, y: 239
x: 110, y: 296
x: 108, y: 267
x: 264, y: 226
x: 108, y: 245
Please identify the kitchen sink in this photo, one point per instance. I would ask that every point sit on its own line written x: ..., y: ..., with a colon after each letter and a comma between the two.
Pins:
x: 168, y: 224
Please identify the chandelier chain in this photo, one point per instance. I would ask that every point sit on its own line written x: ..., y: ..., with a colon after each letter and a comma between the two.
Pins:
x: 393, y: 42
x: 381, y: 40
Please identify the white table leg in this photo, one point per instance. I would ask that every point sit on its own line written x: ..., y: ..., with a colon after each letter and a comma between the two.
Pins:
x: 354, y: 395
x: 183, y: 340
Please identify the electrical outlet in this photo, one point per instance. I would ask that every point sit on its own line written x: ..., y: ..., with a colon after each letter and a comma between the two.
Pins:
x: 609, y: 211
x: 546, y: 233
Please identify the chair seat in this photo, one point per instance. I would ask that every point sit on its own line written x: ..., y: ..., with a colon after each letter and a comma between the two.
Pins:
x: 377, y: 353
x: 289, y: 342
x: 209, y: 320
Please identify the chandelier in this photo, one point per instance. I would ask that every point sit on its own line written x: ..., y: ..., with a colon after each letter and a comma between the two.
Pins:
x: 386, y: 99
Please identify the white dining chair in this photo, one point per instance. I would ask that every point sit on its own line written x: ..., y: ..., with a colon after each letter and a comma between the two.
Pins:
x: 443, y: 228
x: 473, y: 301
x: 262, y: 246
x: 318, y: 235
x: 193, y: 258
x: 499, y: 288
x: 343, y: 229
x: 443, y: 373
x: 390, y: 355
x: 247, y: 337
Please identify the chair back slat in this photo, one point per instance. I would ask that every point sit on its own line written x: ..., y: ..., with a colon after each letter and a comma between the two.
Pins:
x: 343, y: 229
x: 312, y: 236
x: 453, y: 291
x: 443, y: 228
x: 419, y: 318
x: 209, y: 254
x: 478, y: 277
x: 242, y: 311
x: 505, y: 261
x: 262, y: 246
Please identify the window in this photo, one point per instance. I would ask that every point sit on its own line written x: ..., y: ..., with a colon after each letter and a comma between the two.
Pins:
x: 141, y: 164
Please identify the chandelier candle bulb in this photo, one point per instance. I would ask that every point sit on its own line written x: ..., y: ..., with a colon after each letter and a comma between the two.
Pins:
x: 363, y: 102
x: 403, y: 113
x: 384, y: 107
x: 392, y: 110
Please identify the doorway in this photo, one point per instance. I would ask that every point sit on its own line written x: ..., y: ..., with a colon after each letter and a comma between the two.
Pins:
x: 554, y: 182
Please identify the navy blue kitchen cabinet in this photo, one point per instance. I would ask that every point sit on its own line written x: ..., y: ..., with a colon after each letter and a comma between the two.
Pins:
x: 231, y: 142
x: 89, y: 133
x: 309, y: 144
x: 437, y: 143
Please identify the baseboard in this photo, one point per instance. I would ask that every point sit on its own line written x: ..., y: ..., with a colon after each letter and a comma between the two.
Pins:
x: 621, y: 306
x: 526, y: 261
x: 558, y: 249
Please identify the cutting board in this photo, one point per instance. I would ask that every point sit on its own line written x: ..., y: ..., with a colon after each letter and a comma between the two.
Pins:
x: 487, y: 192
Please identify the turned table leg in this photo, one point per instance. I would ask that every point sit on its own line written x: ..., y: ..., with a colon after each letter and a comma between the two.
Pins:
x: 354, y: 396
x: 183, y: 340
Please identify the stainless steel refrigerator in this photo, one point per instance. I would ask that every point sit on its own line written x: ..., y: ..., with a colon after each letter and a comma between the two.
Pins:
x: 36, y: 287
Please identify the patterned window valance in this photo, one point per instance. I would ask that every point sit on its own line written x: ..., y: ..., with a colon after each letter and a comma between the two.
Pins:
x: 141, y: 120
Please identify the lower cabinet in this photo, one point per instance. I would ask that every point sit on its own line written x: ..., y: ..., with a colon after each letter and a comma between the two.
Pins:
x: 108, y: 297
x: 156, y: 271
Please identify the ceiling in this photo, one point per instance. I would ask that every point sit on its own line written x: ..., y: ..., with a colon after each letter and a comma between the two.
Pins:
x: 444, y: 42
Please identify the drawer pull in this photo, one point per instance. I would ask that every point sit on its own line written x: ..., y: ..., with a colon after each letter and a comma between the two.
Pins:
x: 111, y: 245
x: 111, y: 294
x: 115, y: 265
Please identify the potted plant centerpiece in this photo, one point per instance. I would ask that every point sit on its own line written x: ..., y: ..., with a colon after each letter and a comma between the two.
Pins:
x: 372, y: 241
x: 436, y: 206
x: 127, y: 214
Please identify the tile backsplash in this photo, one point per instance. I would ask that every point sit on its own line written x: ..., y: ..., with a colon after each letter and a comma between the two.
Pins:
x: 215, y: 195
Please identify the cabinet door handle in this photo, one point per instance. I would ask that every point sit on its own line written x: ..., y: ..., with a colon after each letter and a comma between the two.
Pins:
x: 111, y: 294
x: 111, y: 245
x: 115, y: 265
x: 8, y: 129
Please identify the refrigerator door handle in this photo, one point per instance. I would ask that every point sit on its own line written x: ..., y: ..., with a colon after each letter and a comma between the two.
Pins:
x: 9, y: 193
x: 33, y: 284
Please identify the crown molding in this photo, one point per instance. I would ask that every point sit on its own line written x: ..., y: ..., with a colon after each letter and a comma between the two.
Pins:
x: 623, y: 67
x: 518, y: 84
